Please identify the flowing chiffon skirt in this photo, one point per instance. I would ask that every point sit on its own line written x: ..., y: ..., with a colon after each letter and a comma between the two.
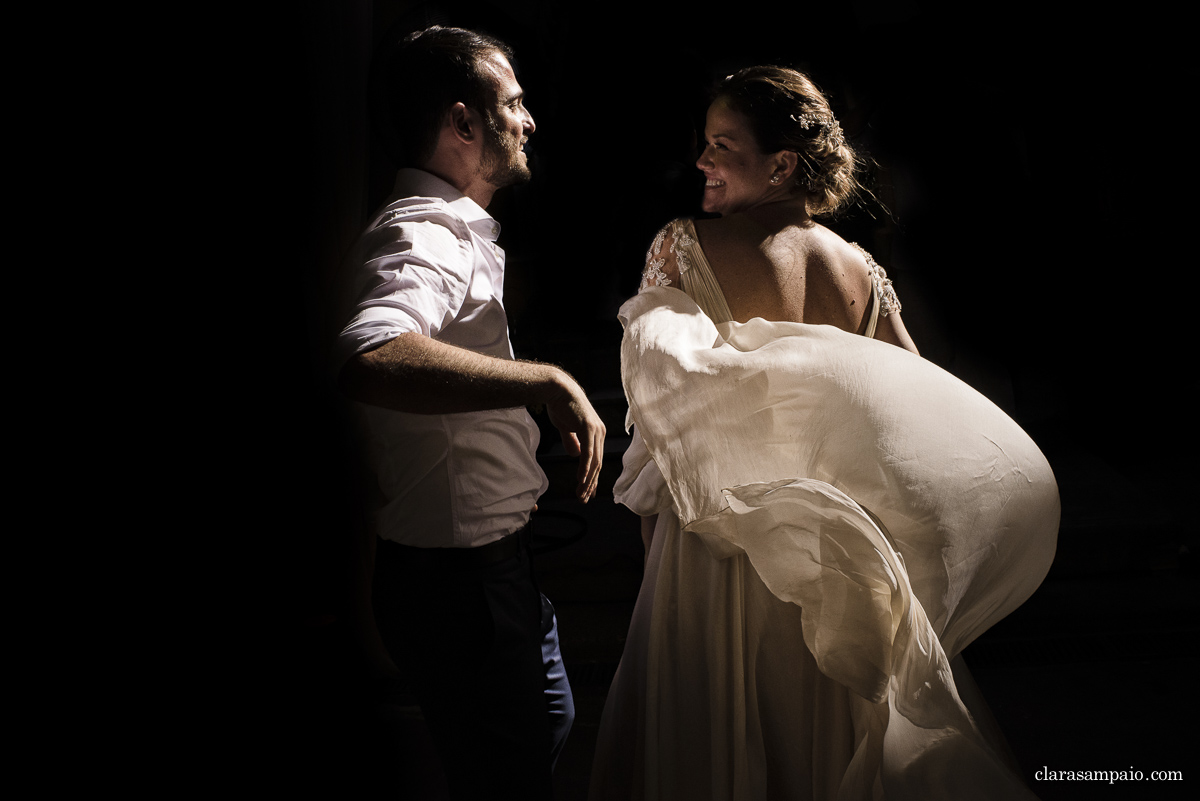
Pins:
x: 838, y: 518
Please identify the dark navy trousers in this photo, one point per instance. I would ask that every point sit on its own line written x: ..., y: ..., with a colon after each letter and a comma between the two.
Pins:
x: 479, y: 644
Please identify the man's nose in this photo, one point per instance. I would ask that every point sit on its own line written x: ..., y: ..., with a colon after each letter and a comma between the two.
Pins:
x: 530, y: 125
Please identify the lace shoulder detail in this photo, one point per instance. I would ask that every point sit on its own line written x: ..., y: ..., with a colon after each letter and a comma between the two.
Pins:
x: 666, y: 269
x: 889, y: 303
x: 653, y: 274
x: 681, y: 243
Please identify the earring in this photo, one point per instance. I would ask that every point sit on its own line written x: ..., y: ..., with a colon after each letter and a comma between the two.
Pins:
x: 774, y: 179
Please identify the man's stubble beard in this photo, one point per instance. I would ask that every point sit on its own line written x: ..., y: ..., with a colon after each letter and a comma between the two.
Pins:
x: 502, y: 165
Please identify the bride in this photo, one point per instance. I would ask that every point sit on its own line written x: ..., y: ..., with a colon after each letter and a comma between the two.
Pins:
x: 829, y: 518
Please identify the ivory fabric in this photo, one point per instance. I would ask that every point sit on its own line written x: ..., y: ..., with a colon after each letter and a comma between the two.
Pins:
x: 838, y: 519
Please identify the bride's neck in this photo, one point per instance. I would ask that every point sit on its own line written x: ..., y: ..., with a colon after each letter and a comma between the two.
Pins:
x: 789, y: 211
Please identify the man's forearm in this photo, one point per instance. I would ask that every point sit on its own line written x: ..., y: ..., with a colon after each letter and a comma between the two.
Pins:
x: 413, y: 373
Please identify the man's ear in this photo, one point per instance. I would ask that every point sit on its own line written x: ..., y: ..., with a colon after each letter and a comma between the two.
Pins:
x: 464, y: 123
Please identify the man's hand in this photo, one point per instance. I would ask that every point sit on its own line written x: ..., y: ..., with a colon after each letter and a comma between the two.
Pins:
x: 582, y: 435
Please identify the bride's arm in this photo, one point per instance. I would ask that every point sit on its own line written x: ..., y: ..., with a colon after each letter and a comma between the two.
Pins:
x: 891, y: 329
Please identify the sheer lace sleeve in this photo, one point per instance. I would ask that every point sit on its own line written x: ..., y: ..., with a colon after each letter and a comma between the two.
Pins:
x: 889, y: 303
x: 665, y: 261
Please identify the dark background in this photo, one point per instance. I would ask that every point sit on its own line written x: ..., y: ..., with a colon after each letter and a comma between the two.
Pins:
x: 1035, y: 164
x: 1033, y: 159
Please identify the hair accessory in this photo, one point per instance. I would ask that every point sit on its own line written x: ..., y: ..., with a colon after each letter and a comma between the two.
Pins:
x: 827, y: 121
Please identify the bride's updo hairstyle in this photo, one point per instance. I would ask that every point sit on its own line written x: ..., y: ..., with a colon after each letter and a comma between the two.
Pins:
x: 787, y: 111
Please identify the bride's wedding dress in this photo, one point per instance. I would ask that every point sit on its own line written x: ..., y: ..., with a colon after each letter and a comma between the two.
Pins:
x: 837, y: 519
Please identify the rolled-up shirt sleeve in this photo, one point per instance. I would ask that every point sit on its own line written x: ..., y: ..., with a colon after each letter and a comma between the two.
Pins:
x: 413, y: 277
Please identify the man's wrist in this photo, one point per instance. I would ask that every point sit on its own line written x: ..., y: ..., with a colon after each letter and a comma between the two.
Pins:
x: 554, y: 384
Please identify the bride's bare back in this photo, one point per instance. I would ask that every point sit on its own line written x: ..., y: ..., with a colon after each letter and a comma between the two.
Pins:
x: 778, y: 264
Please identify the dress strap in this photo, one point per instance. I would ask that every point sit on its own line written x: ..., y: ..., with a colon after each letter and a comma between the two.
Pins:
x: 872, y: 313
x: 695, y: 274
x: 883, y: 295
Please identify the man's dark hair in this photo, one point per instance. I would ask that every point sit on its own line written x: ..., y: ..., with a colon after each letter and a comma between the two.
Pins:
x: 414, y: 82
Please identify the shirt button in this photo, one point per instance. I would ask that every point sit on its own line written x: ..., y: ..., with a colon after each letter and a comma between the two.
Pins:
x: 495, y: 229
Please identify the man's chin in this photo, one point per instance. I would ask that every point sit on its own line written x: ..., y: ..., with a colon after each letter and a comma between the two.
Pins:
x: 512, y: 176
x: 520, y: 169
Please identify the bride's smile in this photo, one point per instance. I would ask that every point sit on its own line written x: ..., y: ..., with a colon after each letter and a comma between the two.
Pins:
x: 738, y: 174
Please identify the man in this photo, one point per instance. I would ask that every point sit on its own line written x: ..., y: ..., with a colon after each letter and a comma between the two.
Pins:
x: 429, y: 360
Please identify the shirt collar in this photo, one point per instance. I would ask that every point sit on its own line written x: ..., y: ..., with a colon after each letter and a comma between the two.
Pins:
x: 411, y: 182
